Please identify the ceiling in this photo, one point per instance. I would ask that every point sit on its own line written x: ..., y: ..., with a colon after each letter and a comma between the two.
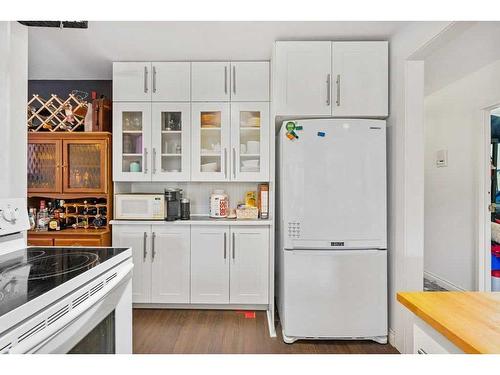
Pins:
x: 87, y: 54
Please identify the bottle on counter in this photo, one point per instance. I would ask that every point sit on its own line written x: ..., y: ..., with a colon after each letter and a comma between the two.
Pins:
x: 32, y: 218
x: 55, y: 222
x: 42, y: 219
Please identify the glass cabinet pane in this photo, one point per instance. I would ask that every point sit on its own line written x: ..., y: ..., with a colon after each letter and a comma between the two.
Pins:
x: 42, y: 166
x: 249, y: 141
x: 171, y: 141
x: 210, y: 141
x: 84, y: 165
x: 132, y: 141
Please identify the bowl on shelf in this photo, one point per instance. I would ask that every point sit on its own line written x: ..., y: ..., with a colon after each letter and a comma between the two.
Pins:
x: 209, y: 167
x: 251, y: 163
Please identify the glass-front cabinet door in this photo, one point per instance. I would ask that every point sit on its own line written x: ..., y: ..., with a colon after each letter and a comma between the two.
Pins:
x: 131, y: 141
x: 250, y: 141
x: 84, y: 168
x: 210, y: 142
x: 44, y: 166
x: 171, y: 142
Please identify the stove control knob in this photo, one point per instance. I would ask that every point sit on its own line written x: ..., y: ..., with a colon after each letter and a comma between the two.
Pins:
x: 10, y: 215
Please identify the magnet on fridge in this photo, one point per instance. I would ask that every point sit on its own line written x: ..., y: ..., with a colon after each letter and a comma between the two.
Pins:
x: 321, y: 134
x: 290, y: 126
x: 298, y: 127
x: 290, y: 136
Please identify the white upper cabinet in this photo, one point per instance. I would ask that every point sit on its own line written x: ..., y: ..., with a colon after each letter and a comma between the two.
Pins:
x: 210, y: 81
x: 249, y: 281
x: 170, y: 259
x: 171, y: 141
x: 360, y: 79
x: 303, y: 78
x: 339, y: 79
x: 171, y: 81
x: 250, y: 81
x: 132, y: 81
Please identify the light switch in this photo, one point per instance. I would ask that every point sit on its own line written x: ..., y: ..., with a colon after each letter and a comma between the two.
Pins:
x: 442, y: 158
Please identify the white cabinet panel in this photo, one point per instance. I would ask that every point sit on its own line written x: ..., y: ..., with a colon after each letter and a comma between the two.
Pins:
x: 426, y: 340
x: 137, y: 237
x: 303, y: 78
x: 360, y: 79
x: 132, y: 81
x: 249, y: 141
x: 210, y: 264
x: 210, y: 141
x: 171, y: 81
x: 170, y: 256
x: 171, y: 141
x: 249, y: 265
x: 131, y: 141
x: 250, y: 81
x: 210, y: 81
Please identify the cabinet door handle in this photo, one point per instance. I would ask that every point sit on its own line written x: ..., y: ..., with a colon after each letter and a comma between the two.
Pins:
x: 154, y: 160
x: 154, y: 79
x: 328, y: 90
x: 225, y: 245
x: 145, y: 79
x: 225, y: 163
x: 145, y: 160
x: 234, y: 79
x: 234, y: 245
x: 421, y: 351
x: 144, y: 251
x: 153, y: 252
x: 234, y: 162
x: 225, y: 79
x: 338, y: 90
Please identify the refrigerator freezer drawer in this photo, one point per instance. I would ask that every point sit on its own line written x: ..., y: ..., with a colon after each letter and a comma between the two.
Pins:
x: 335, y: 294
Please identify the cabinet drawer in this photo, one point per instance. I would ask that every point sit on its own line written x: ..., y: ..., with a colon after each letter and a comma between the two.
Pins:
x: 77, y: 242
x: 426, y: 340
x: 40, y: 241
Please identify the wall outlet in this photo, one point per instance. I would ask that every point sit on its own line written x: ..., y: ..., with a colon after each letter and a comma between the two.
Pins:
x: 442, y: 158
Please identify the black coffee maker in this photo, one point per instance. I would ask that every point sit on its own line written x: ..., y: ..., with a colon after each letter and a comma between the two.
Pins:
x: 173, y: 198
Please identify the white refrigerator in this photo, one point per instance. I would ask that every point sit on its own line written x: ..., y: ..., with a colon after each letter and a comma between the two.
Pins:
x: 332, y: 240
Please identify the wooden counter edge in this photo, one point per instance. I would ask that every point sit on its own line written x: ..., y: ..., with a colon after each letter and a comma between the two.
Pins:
x: 403, y: 298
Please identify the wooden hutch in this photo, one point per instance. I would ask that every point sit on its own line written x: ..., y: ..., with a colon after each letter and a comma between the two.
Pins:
x: 73, y: 166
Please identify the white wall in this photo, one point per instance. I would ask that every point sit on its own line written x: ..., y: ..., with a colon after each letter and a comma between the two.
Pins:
x: 453, y: 121
x: 13, y: 94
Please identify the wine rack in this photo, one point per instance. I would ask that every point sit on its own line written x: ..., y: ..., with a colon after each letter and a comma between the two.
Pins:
x: 84, y: 215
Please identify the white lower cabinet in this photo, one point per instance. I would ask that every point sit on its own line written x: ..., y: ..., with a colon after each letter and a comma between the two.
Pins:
x: 170, y: 259
x: 230, y: 265
x: 426, y: 340
x: 249, y: 270
x: 210, y: 264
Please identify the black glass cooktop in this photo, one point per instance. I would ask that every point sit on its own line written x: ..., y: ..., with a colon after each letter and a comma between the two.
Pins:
x: 28, y: 273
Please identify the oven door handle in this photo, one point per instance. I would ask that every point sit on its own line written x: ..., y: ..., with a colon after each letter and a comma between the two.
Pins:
x: 41, y: 338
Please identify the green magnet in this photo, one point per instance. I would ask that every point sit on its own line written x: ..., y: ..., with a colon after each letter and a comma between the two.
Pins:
x: 290, y: 126
x: 298, y: 127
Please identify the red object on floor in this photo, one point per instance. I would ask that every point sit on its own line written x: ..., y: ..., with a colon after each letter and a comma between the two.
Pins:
x: 247, y: 314
x: 495, y: 249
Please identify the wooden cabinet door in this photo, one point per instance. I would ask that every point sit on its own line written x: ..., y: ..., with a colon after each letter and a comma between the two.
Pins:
x: 303, y: 78
x: 249, y: 265
x: 132, y: 141
x: 210, y: 264
x: 171, y: 81
x: 132, y: 81
x: 250, y: 141
x: 77, y: 242
x: 170, y: 259
x: 85, y: 167
x: 210, y: 159
x: 171, y: 142
x: 138, y: 238
x: 360, y: 79
x: 210, y: 81
x: 40, y: 241
x: 44, y: 166
x: 250, y: 81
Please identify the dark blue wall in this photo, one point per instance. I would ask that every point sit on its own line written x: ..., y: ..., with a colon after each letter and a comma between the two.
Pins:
x: 63, y: 88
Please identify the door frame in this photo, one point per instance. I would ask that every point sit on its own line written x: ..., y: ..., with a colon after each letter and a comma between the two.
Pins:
x: 484, y: 199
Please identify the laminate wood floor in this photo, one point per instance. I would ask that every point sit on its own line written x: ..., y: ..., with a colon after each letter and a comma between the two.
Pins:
x: 227, y: 332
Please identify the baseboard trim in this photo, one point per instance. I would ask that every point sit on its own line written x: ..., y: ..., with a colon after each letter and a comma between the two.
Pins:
x: 442, y: 282
x: 199, y: 306
x: 392, y: 337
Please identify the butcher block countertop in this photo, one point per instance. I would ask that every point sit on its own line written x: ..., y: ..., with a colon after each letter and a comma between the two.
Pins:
x: 470, y: 320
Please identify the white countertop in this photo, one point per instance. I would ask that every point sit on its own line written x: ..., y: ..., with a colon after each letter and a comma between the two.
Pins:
x: 195, y: 220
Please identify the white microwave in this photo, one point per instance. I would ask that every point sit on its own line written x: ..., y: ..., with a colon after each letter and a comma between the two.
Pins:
x: 139, y: 207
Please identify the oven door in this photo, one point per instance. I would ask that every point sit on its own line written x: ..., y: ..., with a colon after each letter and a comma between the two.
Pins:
x: 105, y: 327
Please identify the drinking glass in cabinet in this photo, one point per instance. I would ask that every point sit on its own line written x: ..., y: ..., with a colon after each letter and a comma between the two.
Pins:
x: 171, y: 141
x: 84, y: 163
x: 210, y: 141
x: 250, y: 141
x: 132, y: 142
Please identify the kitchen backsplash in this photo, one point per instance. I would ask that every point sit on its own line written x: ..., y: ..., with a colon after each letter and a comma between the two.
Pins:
x: 197, y: 192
